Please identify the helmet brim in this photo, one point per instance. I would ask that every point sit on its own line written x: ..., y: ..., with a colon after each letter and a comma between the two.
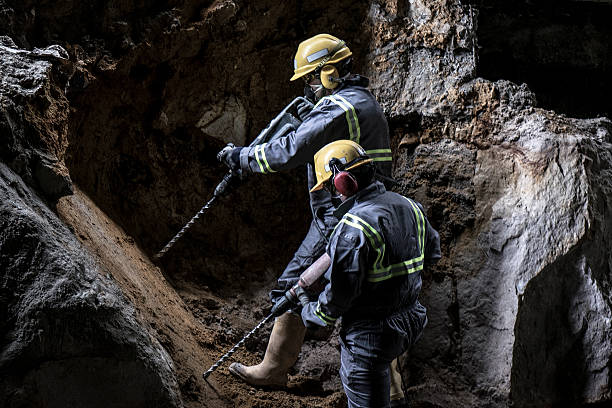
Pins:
x: 319, y: 185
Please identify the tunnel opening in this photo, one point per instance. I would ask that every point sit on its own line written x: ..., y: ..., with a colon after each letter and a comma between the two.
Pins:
x: 560, y: 49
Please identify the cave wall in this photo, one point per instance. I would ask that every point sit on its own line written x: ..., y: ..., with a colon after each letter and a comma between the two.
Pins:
x: 70, y: 337
x: 520, y: 194
x: 514, y: 192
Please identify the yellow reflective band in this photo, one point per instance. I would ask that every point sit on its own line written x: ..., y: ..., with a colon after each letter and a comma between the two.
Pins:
x: 399, y: 273
x: 386, y: 154
x: 352, y: 108
x: 374, y: 151
x: 324, y: 318
x: 420, y: 224
x: 379, y: 247
x: 263, y: 154
x: 261, y: 167
x: 348, y: 118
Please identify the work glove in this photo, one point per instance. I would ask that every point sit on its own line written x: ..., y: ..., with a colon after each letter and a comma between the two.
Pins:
x: 276, y: 295
x: 304, y: 109
x: 230, y: 156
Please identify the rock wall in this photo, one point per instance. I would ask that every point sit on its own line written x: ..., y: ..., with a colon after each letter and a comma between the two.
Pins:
x: 135, y: 110
x: 520, y: 306
x: 34, y: 115
x: 69, y: 335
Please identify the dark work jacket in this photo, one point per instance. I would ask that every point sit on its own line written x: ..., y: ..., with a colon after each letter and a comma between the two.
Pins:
x: 351, y: 112
x: 378, y: 250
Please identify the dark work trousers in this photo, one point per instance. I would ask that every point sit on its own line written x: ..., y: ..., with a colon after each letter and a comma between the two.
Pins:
x: 367, y: 348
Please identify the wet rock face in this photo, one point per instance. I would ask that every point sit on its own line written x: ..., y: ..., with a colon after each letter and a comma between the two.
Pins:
x: 69, y: 336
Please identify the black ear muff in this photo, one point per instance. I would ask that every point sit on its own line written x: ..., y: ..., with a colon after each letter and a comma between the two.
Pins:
x: 329, y: 77
x: 345, y: 183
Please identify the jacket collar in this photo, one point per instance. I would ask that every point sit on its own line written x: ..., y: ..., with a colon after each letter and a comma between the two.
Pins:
x: 353, y: 80
x: 371, y: 191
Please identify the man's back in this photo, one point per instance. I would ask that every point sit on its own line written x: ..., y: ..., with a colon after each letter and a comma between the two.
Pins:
x: 399, y: 242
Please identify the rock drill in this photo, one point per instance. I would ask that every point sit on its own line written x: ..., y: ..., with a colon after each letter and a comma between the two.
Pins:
x: 296, y: 295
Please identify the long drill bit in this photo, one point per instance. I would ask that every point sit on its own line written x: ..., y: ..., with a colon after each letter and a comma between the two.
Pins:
x: 233, y: 349
x: 184, y: 229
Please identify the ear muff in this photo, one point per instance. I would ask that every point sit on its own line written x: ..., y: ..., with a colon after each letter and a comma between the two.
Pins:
x: 329, y: 77
x: 345, y: 183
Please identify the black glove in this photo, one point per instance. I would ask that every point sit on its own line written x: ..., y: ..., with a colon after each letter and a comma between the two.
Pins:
x: 230, y: 155
x: 276, y: 295
x: 303, y: 110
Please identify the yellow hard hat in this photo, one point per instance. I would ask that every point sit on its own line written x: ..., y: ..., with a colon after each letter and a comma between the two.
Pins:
x: 317, y: 51
x: 347, y: 151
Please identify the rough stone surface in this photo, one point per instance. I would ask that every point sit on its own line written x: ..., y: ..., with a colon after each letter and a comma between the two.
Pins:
x: 519, y: 306
x: 69, y: 336
x: 34, y: 115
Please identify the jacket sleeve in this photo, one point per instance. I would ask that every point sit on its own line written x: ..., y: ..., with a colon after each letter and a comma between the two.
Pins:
x: 432, y: 244
x: 346, y: 276
x: 298, y: 147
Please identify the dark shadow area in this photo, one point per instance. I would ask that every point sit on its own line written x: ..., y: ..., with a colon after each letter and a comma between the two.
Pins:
x: 549, y: 366
x: 561, y: 49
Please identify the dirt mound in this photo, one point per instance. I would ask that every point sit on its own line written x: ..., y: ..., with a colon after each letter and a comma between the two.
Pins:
x: 196, y: 327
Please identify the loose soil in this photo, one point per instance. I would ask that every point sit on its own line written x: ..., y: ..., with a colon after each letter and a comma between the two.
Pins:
x: 196, y: 326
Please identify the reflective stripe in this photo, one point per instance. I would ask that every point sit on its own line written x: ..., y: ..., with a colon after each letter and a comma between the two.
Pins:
x: 420, y: 224
x: 324, y: 318
x: 315, y: 56
x: 263, y: 153
x: 373, y: 236
x: 260, y: 155
x: 350, y: 113
x: 261, y: 168
x: 380, y: 154
x: 399, y: 269
x: 378, y: 272
x: 355, y: 120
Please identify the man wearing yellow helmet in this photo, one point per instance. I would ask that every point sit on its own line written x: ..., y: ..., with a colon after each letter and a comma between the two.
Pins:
x: 344, y: 110
x: 378, y: 250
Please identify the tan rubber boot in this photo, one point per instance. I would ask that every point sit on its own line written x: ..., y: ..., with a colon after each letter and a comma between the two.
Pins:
x: 396, y: 394
x: 282, y: 352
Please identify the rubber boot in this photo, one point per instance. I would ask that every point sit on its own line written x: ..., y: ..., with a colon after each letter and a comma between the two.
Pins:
x: 396, y: 393
x: 282, y: 352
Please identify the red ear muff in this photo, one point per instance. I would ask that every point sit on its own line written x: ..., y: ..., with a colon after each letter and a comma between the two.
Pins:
x: 345, y: 183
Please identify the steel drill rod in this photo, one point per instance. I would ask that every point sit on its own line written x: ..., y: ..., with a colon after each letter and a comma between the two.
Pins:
x: 233, y: 349
x: 184, y: 229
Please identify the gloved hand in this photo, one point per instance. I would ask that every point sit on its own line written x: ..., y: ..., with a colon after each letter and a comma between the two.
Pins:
x: 230, y: 155
x: 303, y: 109
x: 276, y: 295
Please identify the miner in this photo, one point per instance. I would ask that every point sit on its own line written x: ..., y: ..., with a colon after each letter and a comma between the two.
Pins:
x: 378, y: 251
x: 344, y: 109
